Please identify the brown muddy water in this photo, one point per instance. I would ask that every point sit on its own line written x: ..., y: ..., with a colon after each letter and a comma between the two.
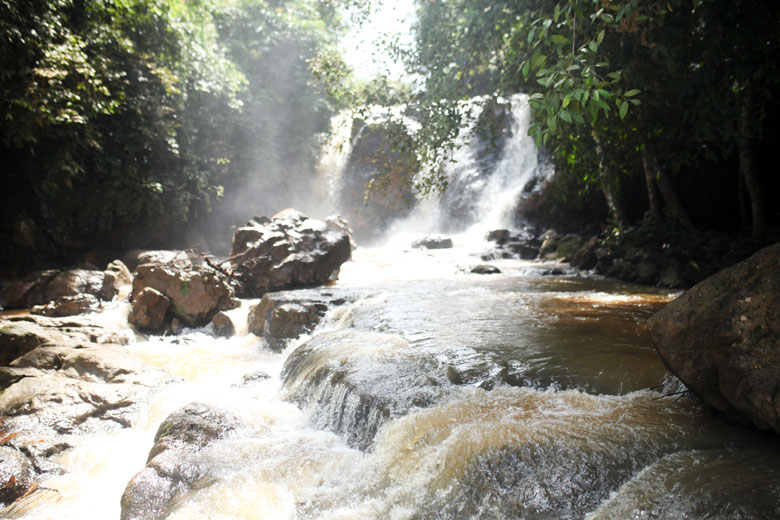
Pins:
x: 441, y: 394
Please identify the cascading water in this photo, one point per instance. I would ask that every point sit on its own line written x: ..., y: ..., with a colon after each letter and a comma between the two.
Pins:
x: 436, y: 393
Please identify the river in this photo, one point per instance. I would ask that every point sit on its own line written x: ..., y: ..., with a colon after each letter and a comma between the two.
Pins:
x: 441, y: 394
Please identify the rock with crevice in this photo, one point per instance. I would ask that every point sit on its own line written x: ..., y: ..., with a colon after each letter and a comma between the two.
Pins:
x: 195, y: 294
x: 288, y: 251
x: 172, y: 466
x: 722, y: 339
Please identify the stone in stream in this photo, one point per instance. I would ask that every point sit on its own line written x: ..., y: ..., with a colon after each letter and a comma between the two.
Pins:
x: 520, y: 243
x: 172, y: 467
x: 485, y: 269
x: 288, y: 251
x: 356, y: 381
x: 223, y: 325
x: 195, y: 294
x: 433, y: 242
x: 282, y: 316
x: 722, y: 339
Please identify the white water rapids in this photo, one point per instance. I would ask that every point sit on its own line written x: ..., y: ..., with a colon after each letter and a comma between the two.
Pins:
x: 526, y: 394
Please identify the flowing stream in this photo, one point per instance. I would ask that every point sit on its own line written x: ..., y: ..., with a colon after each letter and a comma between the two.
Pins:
x: 435, y: 393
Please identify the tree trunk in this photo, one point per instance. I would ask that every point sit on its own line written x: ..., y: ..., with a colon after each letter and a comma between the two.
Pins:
x: 609, y: 186
x: 747, y: 167
x: 652, y: 199
x: 673, y: 204
x: 744, y: 202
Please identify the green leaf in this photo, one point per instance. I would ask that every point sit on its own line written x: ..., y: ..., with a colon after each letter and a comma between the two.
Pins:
x: 600, y: 37
x: 632, y: 92
x: 566, y: 100
x: 565, y: 115
x: 558, y: 39
x: 623, y: 110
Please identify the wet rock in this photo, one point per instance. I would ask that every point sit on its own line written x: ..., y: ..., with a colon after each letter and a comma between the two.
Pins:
x: 499, y: 236
x: 149, y: 309
x: 223, y: 325
x: 518, y: 243
x: 288, y: 251
x: 56, y: 391
x: 16, y: 474
x: 39, y: 288
x: 195, y: 293
x: 721, y: 339
x: 485, y: 269
x: 117, y: 281
x: 71, y: 328
x: 172, y: 467
x: 585, y: 257
x: 254, y: 377
x: 173, y: 258
x: 559, y: 247
x: 433, y: 242
x: 374, y: 189
x: 282, y: 316
x: 68, y: 306
x: 20, y: 337
x: 356, y: 381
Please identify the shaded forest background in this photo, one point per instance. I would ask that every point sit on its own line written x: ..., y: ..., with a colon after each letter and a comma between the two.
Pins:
x: 155, y: 123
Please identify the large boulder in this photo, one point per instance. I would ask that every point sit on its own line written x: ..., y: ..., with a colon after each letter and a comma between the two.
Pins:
x: 195, y: 294
x: 722, y: 339
x: 173, y: 467
x: 288, y: 251
x: 282, y: 316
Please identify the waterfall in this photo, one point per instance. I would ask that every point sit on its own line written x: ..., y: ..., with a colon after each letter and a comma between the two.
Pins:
x: 486, y: 174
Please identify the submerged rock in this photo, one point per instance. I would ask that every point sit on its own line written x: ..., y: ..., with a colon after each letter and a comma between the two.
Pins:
x: 291, y: 250
x: 357, y: 381
x: 172, y: 466
x: 282, y: 316
x: 433, y: 242
x: 722, y: 339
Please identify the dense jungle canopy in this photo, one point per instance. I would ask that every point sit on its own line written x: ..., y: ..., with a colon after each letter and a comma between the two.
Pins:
x: 128, y: 122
